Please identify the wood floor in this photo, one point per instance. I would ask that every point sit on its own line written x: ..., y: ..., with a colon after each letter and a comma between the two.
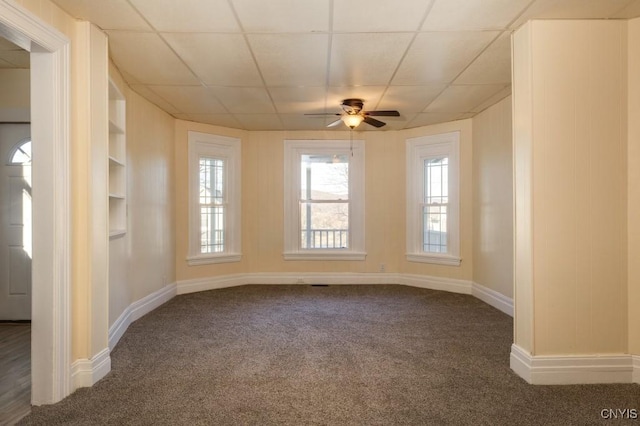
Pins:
x: 15, y: 372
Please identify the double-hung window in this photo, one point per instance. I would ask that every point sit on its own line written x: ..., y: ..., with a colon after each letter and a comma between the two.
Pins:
x: 324, y: 200
x: 433, y: 199
x: 214, y: 199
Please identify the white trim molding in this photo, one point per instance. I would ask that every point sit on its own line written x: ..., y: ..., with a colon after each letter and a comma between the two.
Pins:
x: 86, y: 372
x: 571, y: 369
x: 493, y: 298
x: 137, y: 310
x: 310, y: 278
x: 636, y: 369
x: 50, y: 116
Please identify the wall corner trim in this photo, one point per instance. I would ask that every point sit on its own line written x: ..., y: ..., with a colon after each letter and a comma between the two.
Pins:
x: 573, y: 369
x: 493, y: 298
x: 137, y: 310
x: 86, y: 372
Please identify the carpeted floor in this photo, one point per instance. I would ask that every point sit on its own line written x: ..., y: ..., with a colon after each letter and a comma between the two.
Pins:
x: 338, y: 355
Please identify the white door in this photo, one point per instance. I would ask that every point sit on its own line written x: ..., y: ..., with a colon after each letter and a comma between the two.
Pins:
x: 15, y: 222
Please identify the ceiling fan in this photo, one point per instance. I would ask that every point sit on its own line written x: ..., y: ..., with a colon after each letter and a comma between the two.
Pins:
x: 353, y: 114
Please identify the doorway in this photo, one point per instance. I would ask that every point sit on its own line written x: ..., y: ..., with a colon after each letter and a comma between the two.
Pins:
x: 16, y: 248
x: 51, y: 250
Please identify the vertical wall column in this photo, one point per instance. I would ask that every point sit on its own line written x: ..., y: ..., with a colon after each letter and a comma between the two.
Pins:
x: 570, y: 196
x: 90, y: 208
x: 633, y: 186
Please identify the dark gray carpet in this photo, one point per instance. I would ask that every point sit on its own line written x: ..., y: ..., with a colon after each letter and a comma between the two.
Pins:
x: 339, y: 355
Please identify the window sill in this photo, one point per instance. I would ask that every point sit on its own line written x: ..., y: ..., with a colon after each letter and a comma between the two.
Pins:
x: 442, y: 259
x: 209, y: 259
x: 324, y: 255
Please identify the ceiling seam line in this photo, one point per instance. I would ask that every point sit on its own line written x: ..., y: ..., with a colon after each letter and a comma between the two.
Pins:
x: 255, y: 62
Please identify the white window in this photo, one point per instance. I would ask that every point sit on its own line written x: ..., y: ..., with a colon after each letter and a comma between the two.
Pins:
x: 214, y: 199
x: 433, y: 199
x: 324, y: 200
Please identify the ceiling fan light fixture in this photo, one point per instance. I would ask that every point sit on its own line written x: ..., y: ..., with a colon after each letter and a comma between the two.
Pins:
x: 352, y: 120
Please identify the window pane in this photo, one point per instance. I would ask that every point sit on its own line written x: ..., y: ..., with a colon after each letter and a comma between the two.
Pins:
x: 212, y: 229
x: 324, y: 177
x: 22, y: 154
x: 211, y: 181
x: 435, y: 229
x: 436, y: 198
x: 212, y: 209
x: 324, y: 225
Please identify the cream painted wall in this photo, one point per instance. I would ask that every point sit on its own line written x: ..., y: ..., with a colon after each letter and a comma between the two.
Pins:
x: 263, y: 203
x: 633, y: 186
x: 493, y: 198
x: 570, y: 133
x: 15, y: 95
x: 142, y: 261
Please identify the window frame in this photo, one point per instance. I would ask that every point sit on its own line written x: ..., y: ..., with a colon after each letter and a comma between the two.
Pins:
x: 418, y: 150
x: 293, y: 151
x: 229, y: 150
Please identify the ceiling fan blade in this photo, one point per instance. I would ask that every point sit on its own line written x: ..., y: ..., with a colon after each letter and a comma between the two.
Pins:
x: 383, y: 113
x: 374, y: 122
x: 324, y: 113
x: 335, y: 123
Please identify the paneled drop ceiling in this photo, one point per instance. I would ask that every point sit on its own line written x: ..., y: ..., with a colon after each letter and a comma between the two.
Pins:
x: 263, y: 64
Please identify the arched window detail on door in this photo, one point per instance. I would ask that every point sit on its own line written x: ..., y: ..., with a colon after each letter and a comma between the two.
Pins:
x: 21, y: 153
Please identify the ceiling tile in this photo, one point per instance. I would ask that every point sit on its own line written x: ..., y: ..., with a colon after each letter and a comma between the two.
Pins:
x: 571, y: 9
x: 378, y: 15
x: 148, y: 59
x: 108, y: 15
x: 438, y: 57
x: 366, y: 59
x: 17, y: 58
x: 465, y: 15
x: 190, y: 99
x: 244, y: 100
x: 369, y: 94
x: 632, y: 10
x: 409, y: 99
x: 154, y: 98
x: 7, y: 45
x: 302, y: 122
x: 6, y: 65
x: 217, y: 59
x: 223, y: 120
x: 283, y: 16
x: 493, y: 66
x: 493, y: 99
x: 188, y: 15
x: 259, y: 121
x: 429, y: 118
x: 291, y: 60
x: 463, y: 98
x: 299, y: 100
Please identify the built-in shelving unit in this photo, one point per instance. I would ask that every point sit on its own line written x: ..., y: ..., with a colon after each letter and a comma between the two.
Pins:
x: 117, y: 163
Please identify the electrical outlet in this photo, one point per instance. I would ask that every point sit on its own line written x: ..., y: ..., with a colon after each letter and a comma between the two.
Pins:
x: 383, y: 267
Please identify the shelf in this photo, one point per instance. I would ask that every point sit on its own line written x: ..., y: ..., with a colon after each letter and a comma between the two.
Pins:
x: 116, y: 233
x: 115, y: 162
x: 114, y: 128
x: 117, y: 168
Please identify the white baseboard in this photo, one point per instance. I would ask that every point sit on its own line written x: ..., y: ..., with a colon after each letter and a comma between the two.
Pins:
x: 138, y: 309
x: 572, y: 369
x: 636, y: 369
x: 86, y: 372
x: 493, y: 298
x: 308, y: 278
